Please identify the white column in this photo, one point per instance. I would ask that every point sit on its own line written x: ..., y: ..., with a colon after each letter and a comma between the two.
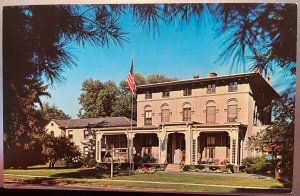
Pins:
x: 233, y: 134
x: 163, y: 146
x: 130, y: 137
x: 188, y: 145
x: 98, y: 146
x: 195, y: 147
x: 159, y: 147
x: 236, y: 146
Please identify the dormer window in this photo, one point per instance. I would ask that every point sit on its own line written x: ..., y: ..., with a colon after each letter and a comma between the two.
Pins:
x: 187, y: 92
x: 211, y: 88
x: 166, y: 93
x: 232, y: 87
x: 148, y: 95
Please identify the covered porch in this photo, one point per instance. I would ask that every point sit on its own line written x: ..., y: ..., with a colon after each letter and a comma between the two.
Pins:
x: 218, y: 144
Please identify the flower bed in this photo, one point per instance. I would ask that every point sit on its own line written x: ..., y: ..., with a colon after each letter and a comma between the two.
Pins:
x: 208, y: 169
x: 145, y: 170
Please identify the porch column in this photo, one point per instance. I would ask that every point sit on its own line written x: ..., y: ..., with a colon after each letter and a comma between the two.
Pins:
x: 195, y: 147
x: 234, y: 139
x: 130, y: 137
x: 98, y: 146
x: 159, y: 147
x: 188, y: 144
x: 163, y: 146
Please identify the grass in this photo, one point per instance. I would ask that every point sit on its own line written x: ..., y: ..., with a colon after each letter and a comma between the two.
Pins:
x: 90, y: 176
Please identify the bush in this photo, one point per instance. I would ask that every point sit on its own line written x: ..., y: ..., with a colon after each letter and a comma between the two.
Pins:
x: 200, y: 167
x: 229, y: 167
x: 213, y: 168
x: 258, y: 165
x: 61, y: 163
x: 91, y: 162
x: 186, y: 168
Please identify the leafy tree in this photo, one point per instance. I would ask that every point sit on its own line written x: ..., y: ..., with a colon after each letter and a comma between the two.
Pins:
x: 158, y: 78
x: 123, y: 104
x: 55, y: 148
x: 97, y: 99
x: 267, y: 32
x: 278, y: 138
x: 35, y: 45
x: 50, y: 112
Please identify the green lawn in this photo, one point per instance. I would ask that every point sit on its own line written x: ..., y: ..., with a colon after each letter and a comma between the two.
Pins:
x: 90, y: 176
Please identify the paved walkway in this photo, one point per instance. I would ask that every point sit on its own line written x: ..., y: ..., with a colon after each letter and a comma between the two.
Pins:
x: 156, y: 182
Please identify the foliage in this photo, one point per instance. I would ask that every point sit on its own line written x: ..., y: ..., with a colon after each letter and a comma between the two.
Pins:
x: 97, y: 99
x: 106, y: 99
x: 199, y: 167
x: 278, y: 138
x: 35, y: 50
x: 145, y: 170
x: 213, y: 168
x: 186, y: 168
x: 229, y: 167
x: 88, y: 162
x: 55, y: 148
x: 258, y: 165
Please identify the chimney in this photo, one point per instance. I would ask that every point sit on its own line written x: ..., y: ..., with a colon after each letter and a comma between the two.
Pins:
x: 196, y: 76
x: 212, y: 74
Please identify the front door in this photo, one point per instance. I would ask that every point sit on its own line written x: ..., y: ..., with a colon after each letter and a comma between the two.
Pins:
x: 176, y: 148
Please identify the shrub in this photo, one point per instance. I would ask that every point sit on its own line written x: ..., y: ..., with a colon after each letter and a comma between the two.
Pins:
x: 258, y: 165
x: 229, y: 168
x: 200, y: 167
x: 213, y: 168
x: 91, y: 163
x: 61, y: 163
x: 186, y: 168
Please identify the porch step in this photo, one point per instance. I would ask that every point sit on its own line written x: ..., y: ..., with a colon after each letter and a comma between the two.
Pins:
x: 173, y: 168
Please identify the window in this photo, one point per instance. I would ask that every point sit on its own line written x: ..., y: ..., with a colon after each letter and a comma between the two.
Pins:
x: 211, y: 88
x: 52, y: 124
x: 148, y: 95
x: 232, y: 87
x: 148, y: 117
x: 187, y: 92
x: 232, y: 113
x: 165, y: 115
x: 187, y: 114
x: 86, y: 150
x: 52, y: 133
x: 166, y: 93
x: 85, y: 134
x: 210, y: 114
x: 70, y: 135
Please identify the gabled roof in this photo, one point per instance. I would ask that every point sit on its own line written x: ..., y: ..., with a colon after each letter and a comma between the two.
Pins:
x: 96, y: 122
x: 61, y: 123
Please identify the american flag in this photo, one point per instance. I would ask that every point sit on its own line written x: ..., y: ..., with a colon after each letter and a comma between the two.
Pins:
x: 130, y: 79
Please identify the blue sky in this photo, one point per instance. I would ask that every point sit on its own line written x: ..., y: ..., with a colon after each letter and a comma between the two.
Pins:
x: 175, y: 52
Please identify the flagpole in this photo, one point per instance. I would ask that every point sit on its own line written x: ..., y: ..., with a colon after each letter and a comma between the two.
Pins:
x: 131, y: 148
x: 131, y: 143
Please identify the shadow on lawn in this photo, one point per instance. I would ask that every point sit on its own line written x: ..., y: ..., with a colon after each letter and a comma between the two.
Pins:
x: 247, y: 190
x: 91, y: 174
x: 81, y: 174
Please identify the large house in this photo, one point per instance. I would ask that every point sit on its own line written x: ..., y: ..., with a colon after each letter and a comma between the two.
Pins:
x: 200, y: 120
